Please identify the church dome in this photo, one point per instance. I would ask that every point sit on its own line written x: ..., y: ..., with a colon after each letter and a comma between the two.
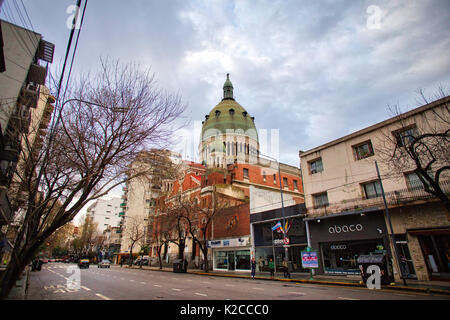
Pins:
x: 228, y: 115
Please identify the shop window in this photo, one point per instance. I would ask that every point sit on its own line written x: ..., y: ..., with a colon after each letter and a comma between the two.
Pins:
x: 243, y: 260
x: 320, y: 200
x: 315, y: 166
x: 372, y: 189
x: 363, y: 150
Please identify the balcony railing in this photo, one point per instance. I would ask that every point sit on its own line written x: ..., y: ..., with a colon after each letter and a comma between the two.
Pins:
x: 393, y: 199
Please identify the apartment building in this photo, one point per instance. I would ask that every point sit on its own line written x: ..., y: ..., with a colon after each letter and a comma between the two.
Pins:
x: 346, y: 214
x: 106, y: 213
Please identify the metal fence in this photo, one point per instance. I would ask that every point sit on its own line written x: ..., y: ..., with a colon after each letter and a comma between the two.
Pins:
x: 393, y: 198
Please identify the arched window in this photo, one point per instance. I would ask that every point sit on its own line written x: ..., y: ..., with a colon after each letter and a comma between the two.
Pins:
x: 231, y: 111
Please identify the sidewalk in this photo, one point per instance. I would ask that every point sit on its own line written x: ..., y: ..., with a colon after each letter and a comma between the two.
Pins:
x: 438, y: 287
x: 19, y: 291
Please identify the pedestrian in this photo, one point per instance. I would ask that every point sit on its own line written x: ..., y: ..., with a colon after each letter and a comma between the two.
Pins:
x: 271, y: 268
x: 286, y: 269
x: 121, y: 262
x: 253, y: 266
x: 260, y: 264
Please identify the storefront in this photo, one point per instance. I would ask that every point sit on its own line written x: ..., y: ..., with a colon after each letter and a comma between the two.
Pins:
x: 231, y: 254
x: 341, y: 238
x: 435, y: 247
x: 269, y: 244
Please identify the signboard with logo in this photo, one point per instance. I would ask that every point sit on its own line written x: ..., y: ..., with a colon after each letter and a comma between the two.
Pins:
x: 310, y: 260
x: 236, y: 242
x: 348, y: 227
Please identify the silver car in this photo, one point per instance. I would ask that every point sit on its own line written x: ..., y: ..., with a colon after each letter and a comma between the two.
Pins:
x: 104, y: 264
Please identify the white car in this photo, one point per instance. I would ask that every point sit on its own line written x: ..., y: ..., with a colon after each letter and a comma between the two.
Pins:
x: 104, y: 264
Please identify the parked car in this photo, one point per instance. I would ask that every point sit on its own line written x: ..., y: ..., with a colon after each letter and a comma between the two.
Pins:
x: 43, y: 260
x: 84, y: 263
x: 104, y: 264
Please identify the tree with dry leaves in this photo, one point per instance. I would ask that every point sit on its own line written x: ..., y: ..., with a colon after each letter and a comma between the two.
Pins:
x: 110, y: 118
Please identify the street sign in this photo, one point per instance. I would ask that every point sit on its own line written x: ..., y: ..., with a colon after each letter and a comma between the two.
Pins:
x: 286, y: 240
x: 310, y: 260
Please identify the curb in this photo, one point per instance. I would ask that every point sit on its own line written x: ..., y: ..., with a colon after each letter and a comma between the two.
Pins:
x: 320, y: 282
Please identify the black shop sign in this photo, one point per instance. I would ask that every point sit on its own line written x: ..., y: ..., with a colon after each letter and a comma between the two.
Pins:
x: 348, y: 227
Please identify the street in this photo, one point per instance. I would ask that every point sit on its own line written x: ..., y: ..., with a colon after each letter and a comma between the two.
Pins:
x: 116, y: 283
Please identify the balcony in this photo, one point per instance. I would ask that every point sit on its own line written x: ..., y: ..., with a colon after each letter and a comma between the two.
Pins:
x: 393, y: 199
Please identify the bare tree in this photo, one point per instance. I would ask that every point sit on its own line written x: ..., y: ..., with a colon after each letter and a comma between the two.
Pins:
x: 134, y: 231
x: 110, y: 118
x: 160, y: 235
x: 198, y: 219
x: 421, y: 145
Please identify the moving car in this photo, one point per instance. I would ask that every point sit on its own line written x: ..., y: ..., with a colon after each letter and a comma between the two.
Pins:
x: 84, y: 263
x: 104, y: 264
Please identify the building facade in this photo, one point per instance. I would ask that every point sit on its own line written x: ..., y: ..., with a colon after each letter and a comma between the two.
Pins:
x: 344, y: 198
x: 106, y: 213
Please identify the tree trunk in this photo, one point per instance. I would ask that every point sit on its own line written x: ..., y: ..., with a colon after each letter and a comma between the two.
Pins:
x: 15, y: 269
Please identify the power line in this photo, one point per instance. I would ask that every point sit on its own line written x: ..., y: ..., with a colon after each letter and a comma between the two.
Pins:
x: 74, y: 51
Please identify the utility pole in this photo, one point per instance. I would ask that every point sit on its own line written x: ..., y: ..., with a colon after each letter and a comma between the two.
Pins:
x: 390, y: 225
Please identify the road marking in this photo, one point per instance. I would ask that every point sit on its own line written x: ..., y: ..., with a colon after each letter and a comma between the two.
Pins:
x: 300, y: 293
x: 102, y: 296
x: 258, y: 288
x: 230, y: 285
x: 143, y: 283
x: 189, y: 280
x: 131, y: 280
x: 122, y: 278
x: 87, y: 289
x: 174, y: 278
x: 175, y: 289
x: 157, y: 285
x: 343, y: 298
x: 206, y: 282
x: 201, y: 294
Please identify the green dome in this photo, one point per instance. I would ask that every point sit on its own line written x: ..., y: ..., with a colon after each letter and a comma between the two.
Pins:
x: 228, y: 114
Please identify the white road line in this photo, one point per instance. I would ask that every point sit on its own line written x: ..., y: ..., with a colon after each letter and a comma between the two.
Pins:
x: 142, y: 282
x: 131, y: 280
x: 102, y: 296
x: 87, y: 289
x: 189, y: 280
x: 300, y: 293
x: 201, y: 294
x: 258, y: 288
x: 175, y: 289
x: 343, y: 298
x: 157, y: 285
x: 122, y: 278
x: 230, y: 285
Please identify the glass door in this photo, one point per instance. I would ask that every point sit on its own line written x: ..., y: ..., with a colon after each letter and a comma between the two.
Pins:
x: 231, y: 261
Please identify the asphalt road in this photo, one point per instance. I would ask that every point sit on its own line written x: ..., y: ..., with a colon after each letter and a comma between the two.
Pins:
x: 58, y: 281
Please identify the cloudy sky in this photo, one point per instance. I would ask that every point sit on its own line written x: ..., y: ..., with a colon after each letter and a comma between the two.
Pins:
x: 314, y: 70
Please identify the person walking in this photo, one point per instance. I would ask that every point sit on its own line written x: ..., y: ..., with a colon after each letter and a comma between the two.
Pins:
x: 260, y: 264
x: 271, y: 268
x: 253, y: 266
x: 287, y: 275
x: 121, y: 262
